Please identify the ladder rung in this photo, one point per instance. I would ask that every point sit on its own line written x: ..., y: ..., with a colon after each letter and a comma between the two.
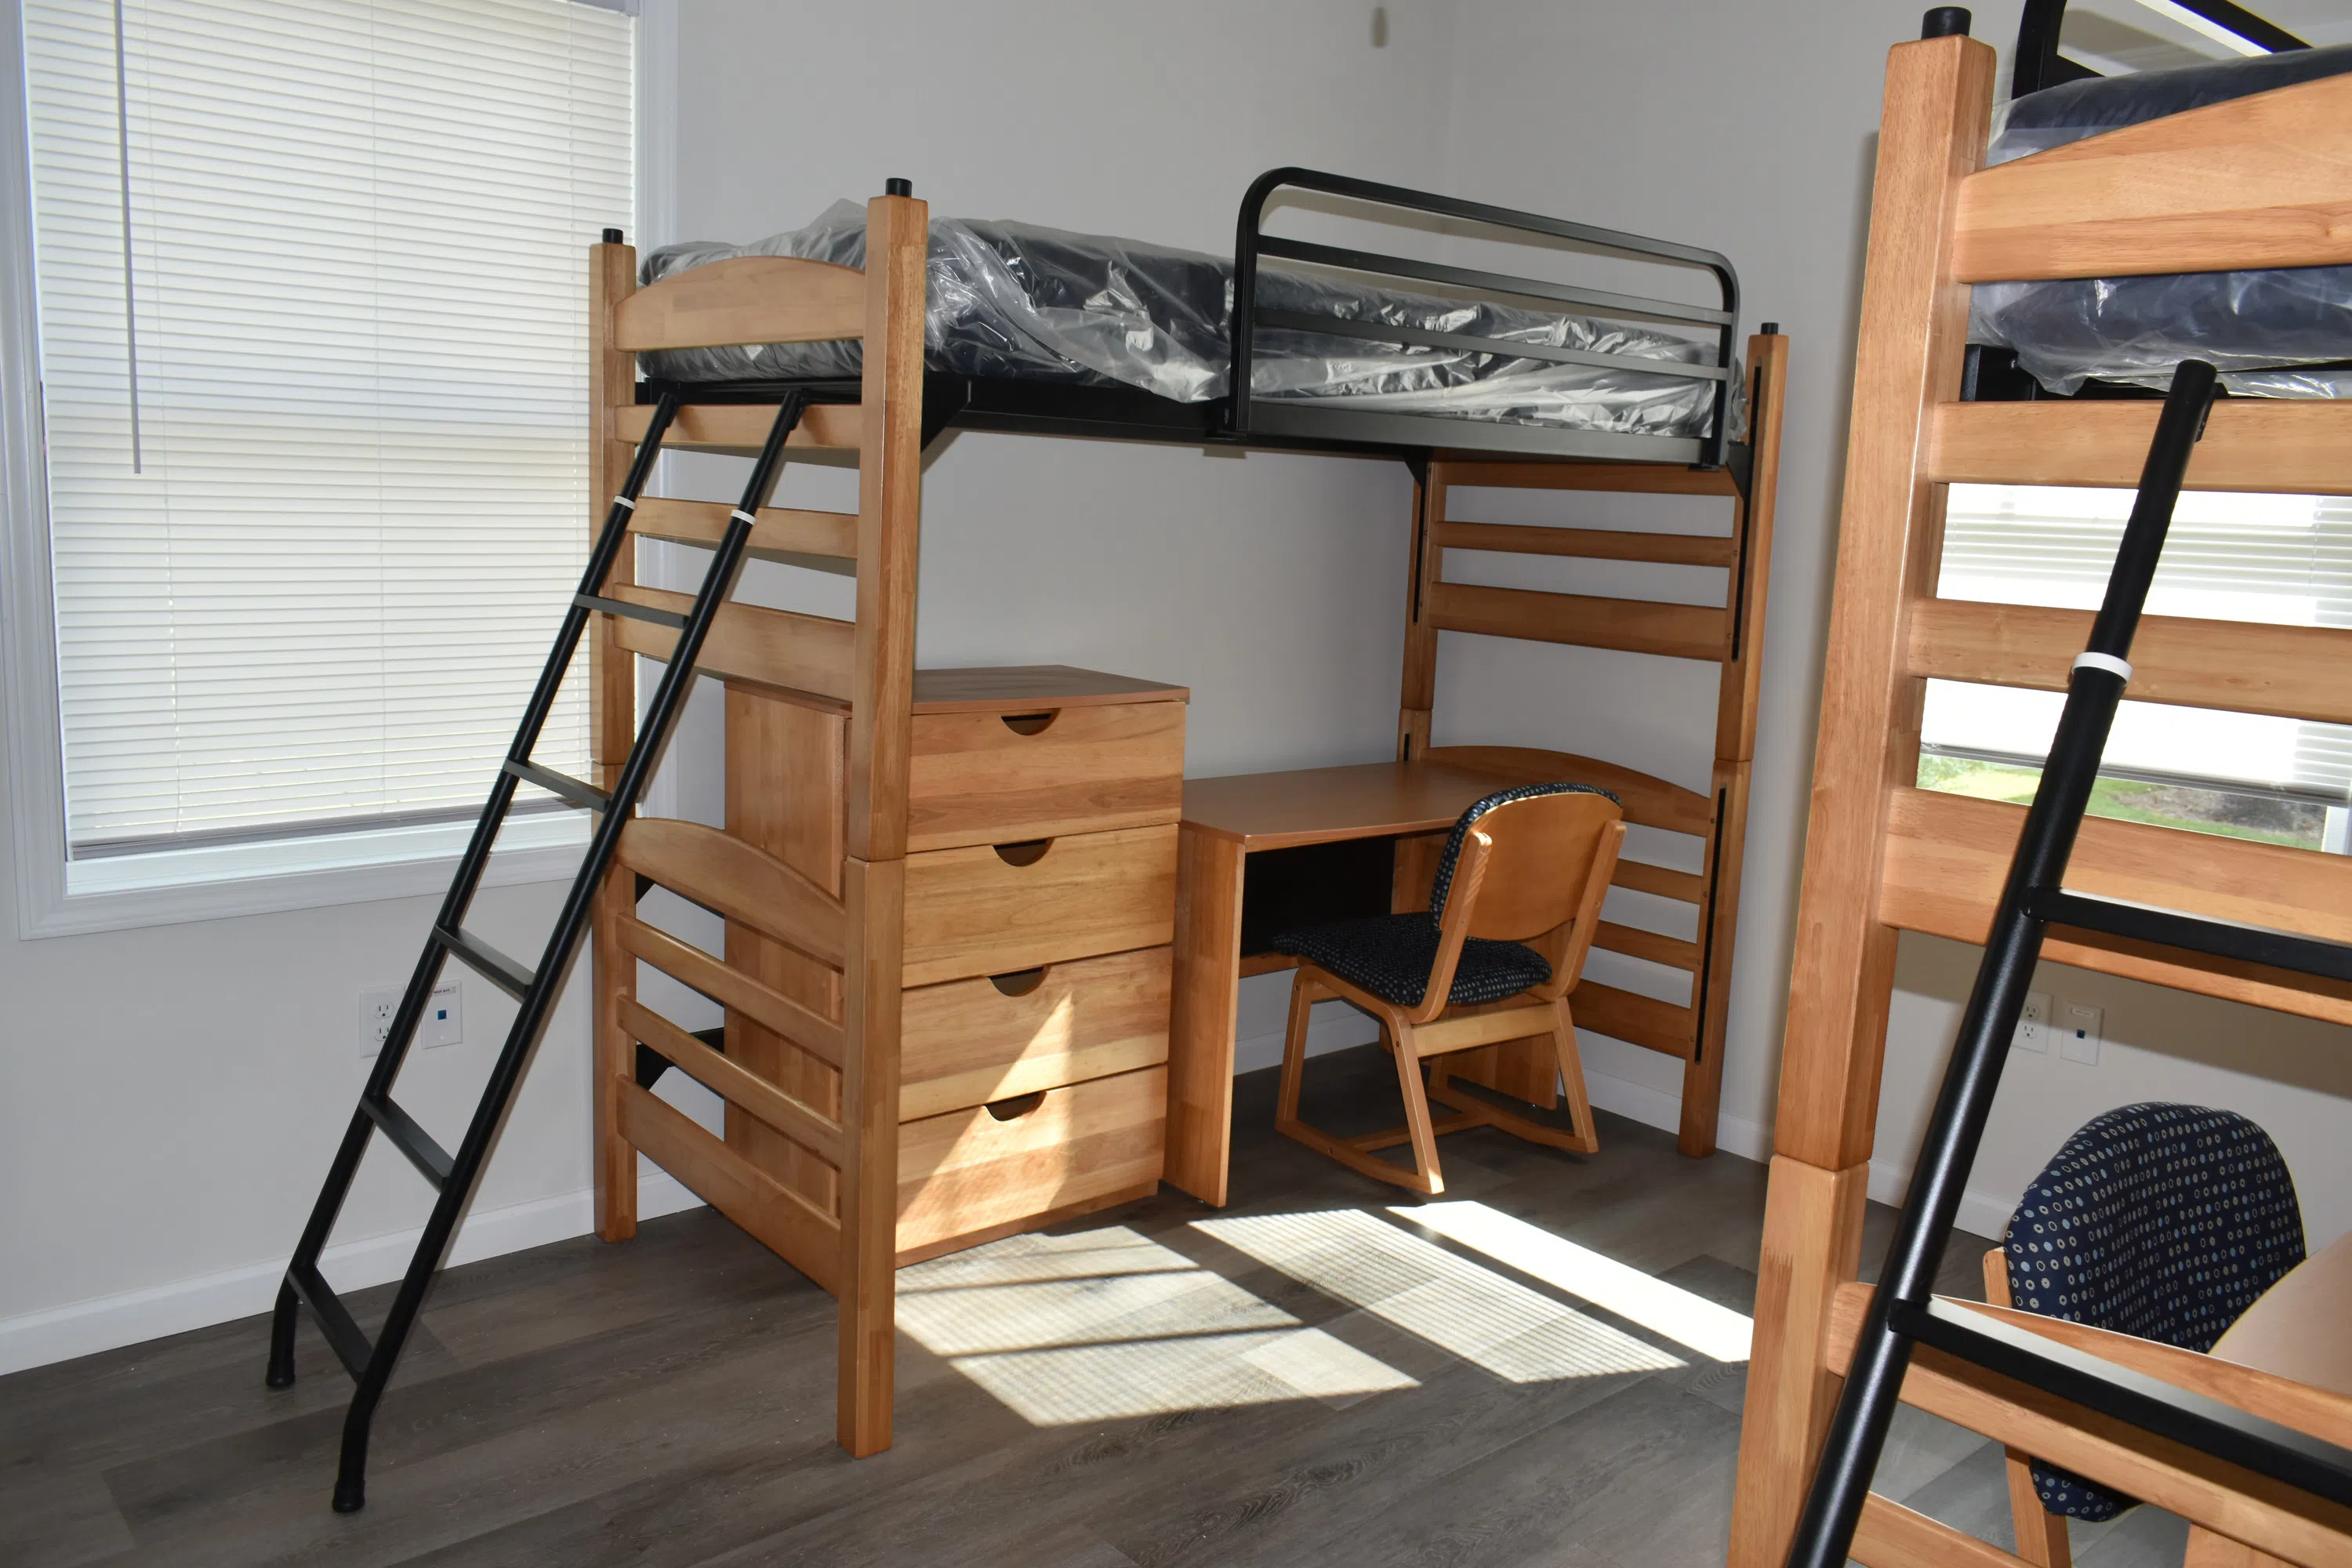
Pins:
x: 2194, y: 933
x: 430, y: 1159
x: 351, y: 1346
x: 2206, y: 1424
x: 503, y: 972
x: 669, y: 618
x: 586, y: 797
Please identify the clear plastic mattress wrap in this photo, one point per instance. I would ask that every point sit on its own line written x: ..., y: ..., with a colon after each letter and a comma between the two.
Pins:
x: 1014, y: 300
x: 2137, y: 328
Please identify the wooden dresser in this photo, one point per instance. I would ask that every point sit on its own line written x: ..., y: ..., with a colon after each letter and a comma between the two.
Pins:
x: 1040, y: 904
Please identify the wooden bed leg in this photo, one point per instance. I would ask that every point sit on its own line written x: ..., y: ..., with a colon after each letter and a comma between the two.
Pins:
x: 1417, y: 695
x: 1725, y: 852
x: 612, y: 727
x: 1812, y: 1244
x: 876, y: 901
x: 613, y: 1061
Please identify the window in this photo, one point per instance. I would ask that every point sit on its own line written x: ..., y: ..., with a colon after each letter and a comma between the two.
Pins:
x: 2281, y: 560
x: 311, y: 327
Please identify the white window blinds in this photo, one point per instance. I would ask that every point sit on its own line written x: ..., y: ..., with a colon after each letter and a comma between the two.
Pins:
x: 313, y: 354
x: 2274, y: 559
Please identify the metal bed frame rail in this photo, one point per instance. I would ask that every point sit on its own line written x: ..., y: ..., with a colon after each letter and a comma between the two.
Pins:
x: 1332, y: 419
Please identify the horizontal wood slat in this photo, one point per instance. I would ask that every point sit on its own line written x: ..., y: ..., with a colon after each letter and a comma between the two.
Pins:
x: 2262, y: 444
x: 1889, y: 1535
x: 806, y: 1126
x: 1648, y: 800
x: 772, y: 1212
x: 1624, y: 478
x: 2260, y: 181
x: 2267, y: 1514
x: 744, y: 300
x: 1639, y: 1020
x: 1648, y: 945
x: 739, y: 880
x: 731, y: 987
x: 1631, y: 625
x: 743, y: 427
x: 1947, y: 856
x: 775, y: 647
x: 1644, y: 877
x: 2295, y: 671
x: 779, y: 534
x: 1589, y: 544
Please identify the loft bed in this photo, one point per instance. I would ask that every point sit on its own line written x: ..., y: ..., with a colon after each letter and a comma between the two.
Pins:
x: 2231, y: 185
x: 831, y: 712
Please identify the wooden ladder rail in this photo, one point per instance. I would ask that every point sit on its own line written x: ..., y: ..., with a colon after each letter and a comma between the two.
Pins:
x: 1732, y: 637
x: 868, y: 663
x: 2252, y: 183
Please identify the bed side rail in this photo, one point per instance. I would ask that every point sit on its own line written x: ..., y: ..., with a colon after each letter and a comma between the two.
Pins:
x: 1250, y: 244
x: 744, y: 300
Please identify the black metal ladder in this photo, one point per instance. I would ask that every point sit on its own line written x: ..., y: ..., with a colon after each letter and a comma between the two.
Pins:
x: 1903, y: 1311
x: 452, y: 1176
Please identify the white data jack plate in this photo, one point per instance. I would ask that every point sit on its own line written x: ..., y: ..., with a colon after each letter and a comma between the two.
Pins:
x: 2033, y: 1023
x: 2079, y: 1030
x: 444, y: 1023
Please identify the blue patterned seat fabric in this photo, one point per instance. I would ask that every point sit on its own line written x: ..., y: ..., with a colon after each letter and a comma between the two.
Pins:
x: 2160, y: 1221
x: 1390, y: 955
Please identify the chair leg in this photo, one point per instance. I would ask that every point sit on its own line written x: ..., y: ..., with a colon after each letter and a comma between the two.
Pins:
x: 1303, y: 991
x: 1416, y: 1116
x: 1571, y: 1077
x: 1356, y: 1153
x: 2042, y: 1538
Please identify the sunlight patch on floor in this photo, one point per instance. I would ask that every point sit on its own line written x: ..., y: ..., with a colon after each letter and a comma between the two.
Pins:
x: 1109, y: 1324
x: 1682, y: 1316
x: 1513, y: 1332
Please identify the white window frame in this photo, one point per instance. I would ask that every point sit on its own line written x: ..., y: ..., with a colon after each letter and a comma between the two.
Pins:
x: 216, y: 882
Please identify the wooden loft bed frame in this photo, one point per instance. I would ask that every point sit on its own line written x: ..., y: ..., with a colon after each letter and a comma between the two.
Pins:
x: 841, y: 1012
x: 2261, y: 181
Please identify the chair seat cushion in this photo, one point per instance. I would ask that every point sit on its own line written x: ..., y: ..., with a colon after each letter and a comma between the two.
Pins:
x: 1390, y: 956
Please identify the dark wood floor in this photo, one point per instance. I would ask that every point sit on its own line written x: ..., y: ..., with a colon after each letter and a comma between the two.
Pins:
x: 1308, y: 1377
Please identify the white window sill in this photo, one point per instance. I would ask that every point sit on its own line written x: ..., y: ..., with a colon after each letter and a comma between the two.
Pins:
x: 223, y: 881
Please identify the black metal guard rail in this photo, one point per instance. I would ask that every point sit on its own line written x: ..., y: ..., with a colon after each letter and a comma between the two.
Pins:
x: 2040, y: 65
x: 1250, y: 242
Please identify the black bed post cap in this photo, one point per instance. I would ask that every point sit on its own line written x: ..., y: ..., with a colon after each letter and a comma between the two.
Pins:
x: 895, y: 187
x: 612, y: 236
x: 1946, y: 22
x: 1771, y: 329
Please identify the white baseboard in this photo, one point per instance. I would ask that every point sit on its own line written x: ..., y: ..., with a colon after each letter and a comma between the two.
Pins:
x: 1982, y: 1214
x: 109, y: 1322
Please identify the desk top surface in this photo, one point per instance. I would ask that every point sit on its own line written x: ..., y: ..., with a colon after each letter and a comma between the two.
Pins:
x: 2296, y: 1328
x: 1320, y: 806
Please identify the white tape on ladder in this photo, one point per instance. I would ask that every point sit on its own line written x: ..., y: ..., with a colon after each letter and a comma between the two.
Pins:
x: 624, y: 501
x: 2106, y: 661
x: 742, y: 516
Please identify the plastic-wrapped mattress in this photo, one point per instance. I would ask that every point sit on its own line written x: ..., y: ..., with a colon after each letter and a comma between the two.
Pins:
x: 1017, y: 301
x: 2137, y: 328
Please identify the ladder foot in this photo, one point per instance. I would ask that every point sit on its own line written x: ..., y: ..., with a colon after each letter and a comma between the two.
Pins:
x: 281, y: 1338
x: 350, y: 1497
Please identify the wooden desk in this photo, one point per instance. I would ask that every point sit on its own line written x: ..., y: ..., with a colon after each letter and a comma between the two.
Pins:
x: 2296, y: 1329
x: 1225, y: 821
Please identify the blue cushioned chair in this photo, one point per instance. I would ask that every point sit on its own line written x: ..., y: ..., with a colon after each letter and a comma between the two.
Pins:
x: 1493, y: 958
x: 2160, y: 1221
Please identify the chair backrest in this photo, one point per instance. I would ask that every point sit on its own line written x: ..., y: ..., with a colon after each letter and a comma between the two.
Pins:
x: 2161, y: 1221
x: 1545, y: 839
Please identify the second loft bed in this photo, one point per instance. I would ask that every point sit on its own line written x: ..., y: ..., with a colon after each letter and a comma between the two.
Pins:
x: 2231, y: 185
x: 833, y: 710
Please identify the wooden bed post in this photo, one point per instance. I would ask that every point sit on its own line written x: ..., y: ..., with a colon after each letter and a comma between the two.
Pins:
x: 1914, y: 324
x: 889, y: 525
x: 1418, y: 694
x: 612, y: 729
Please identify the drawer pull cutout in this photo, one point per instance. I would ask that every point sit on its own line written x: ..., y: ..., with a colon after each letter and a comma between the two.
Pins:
x: 1019, y: 982
x: 1028, y: 852
x: 1019, y: 1106
x: 1030, y: 723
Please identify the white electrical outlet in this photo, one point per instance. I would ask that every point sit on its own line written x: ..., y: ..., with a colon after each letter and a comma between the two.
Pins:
x: 2033, y: 1023
x: 444, y: 1023
x: 2079, y: 1030
x: 377, y: 1005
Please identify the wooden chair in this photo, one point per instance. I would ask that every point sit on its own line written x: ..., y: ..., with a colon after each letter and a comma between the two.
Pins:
x: 1493, y: 958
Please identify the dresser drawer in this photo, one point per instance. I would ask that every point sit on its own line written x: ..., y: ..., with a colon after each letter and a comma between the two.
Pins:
x: 997, y: 777
x: 968, y: 1042
x: 991, y: 909
x: 988, y: 1168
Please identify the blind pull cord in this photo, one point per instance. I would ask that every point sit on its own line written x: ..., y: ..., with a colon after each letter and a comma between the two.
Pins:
x: 130, y: 296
